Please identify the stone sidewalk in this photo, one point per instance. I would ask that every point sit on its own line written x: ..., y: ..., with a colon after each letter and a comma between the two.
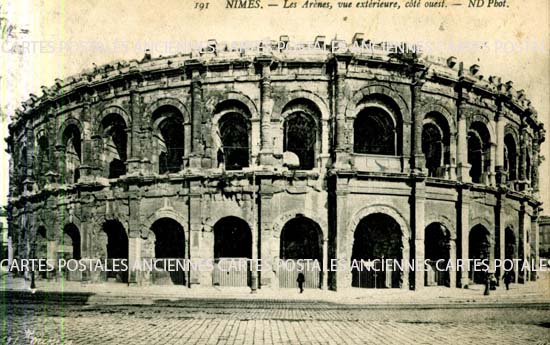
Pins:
x: 269, y: 322
x: 532, y: 292
x: 72, y: 313
x: 150, y: 327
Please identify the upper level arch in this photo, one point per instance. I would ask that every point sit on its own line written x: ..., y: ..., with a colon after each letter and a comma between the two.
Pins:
x: 169, y: 134
x: 384, y: 209
x: 443, y: 113
x: 305, y: 97
x: 216, y: 103
x: 68, y: 123
x: 378, y: 127
x: 390, y: 96
x: 282, y: 219
x: 231, y: 131
x: 476, y: 119
x: 302, y: 129
x: 230, y: 106
x: 479, y: 151
x: 166, y: 103
x: 165, y: 212
x: 443, y: 220
x: 107, y: 111
x: 512, y: 130
x: 436, y: 143
x: 378, y: 113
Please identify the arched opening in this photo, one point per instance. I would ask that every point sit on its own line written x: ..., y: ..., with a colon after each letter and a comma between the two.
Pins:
x: 479, y: 245
x: 510, y: 157
x: 43, y: 160
x: 437, y: 248
x: 169, y: 136
x: 115, y: 141
x: 301, y: 137
x: 71, y: 242
x: 510, y: 247
x: 475, y: 157
x: 479, y: 155
x: 301, y: 250
x: 233, y: 132
x: 117, y: 249
x: 375, y: 132
x: 232, y: 252
x: 72, y: 139
x: 378, y: 237
x: 169, y: 244
x: 73, y: 155
x: 70, y: 249
x: 436, y: 144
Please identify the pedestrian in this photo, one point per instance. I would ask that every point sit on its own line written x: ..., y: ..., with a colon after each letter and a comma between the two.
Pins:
x: 301, y: 279
x: 507, y: 279
x: 487, y: 284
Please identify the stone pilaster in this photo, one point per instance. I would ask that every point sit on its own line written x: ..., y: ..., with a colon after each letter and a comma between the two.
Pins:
x: 535, y: 167
x: 87, y: 168
x: 342, y: 239
x: 463, y: 230
x: 342, y: 145
x: 134, y: 257
x: 500, y: 235
x: 134, y: 163
x: 523, y: 159
x: 324, y: 283
x: 134, y: 231
x: 418, y: 161
x: 499, y: 159
x: 418, y: 215
x: 86, y: 231
x: 535, y: 239
x: 52, y: 255
x: 522, y: 241
x: 59, y: 157
x: 193, y: 237
x: 463, y: 166
x: 266, y: 108
x: 197, y: 147
x: 452, y: 257
x: 254, y: 274
x: 268, y: 238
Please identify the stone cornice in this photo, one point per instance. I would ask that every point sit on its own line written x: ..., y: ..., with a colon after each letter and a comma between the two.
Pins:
x: 438, y: 70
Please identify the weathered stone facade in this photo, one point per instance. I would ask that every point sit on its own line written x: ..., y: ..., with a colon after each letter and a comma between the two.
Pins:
x: 3, y: 233
x: 369, y: 154
x: 544, y: 233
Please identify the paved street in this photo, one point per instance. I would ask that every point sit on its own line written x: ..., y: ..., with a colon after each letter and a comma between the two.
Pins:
x: 211, y: 321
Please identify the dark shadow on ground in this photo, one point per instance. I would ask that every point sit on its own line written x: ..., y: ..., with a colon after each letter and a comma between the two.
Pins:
x: 43, y: 297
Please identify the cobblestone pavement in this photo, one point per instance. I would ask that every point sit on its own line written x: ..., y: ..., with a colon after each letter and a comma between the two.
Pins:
x: 269, y: 322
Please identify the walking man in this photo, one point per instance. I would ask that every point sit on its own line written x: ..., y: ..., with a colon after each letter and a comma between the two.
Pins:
x: 507, y: 279
x: 301, y: 279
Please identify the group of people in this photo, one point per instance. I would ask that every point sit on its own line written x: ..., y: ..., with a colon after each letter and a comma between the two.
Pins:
x: 491, y: 281
x: 507, y: 278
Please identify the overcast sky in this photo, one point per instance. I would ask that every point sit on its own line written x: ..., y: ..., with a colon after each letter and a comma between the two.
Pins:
x: 135, y: 25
